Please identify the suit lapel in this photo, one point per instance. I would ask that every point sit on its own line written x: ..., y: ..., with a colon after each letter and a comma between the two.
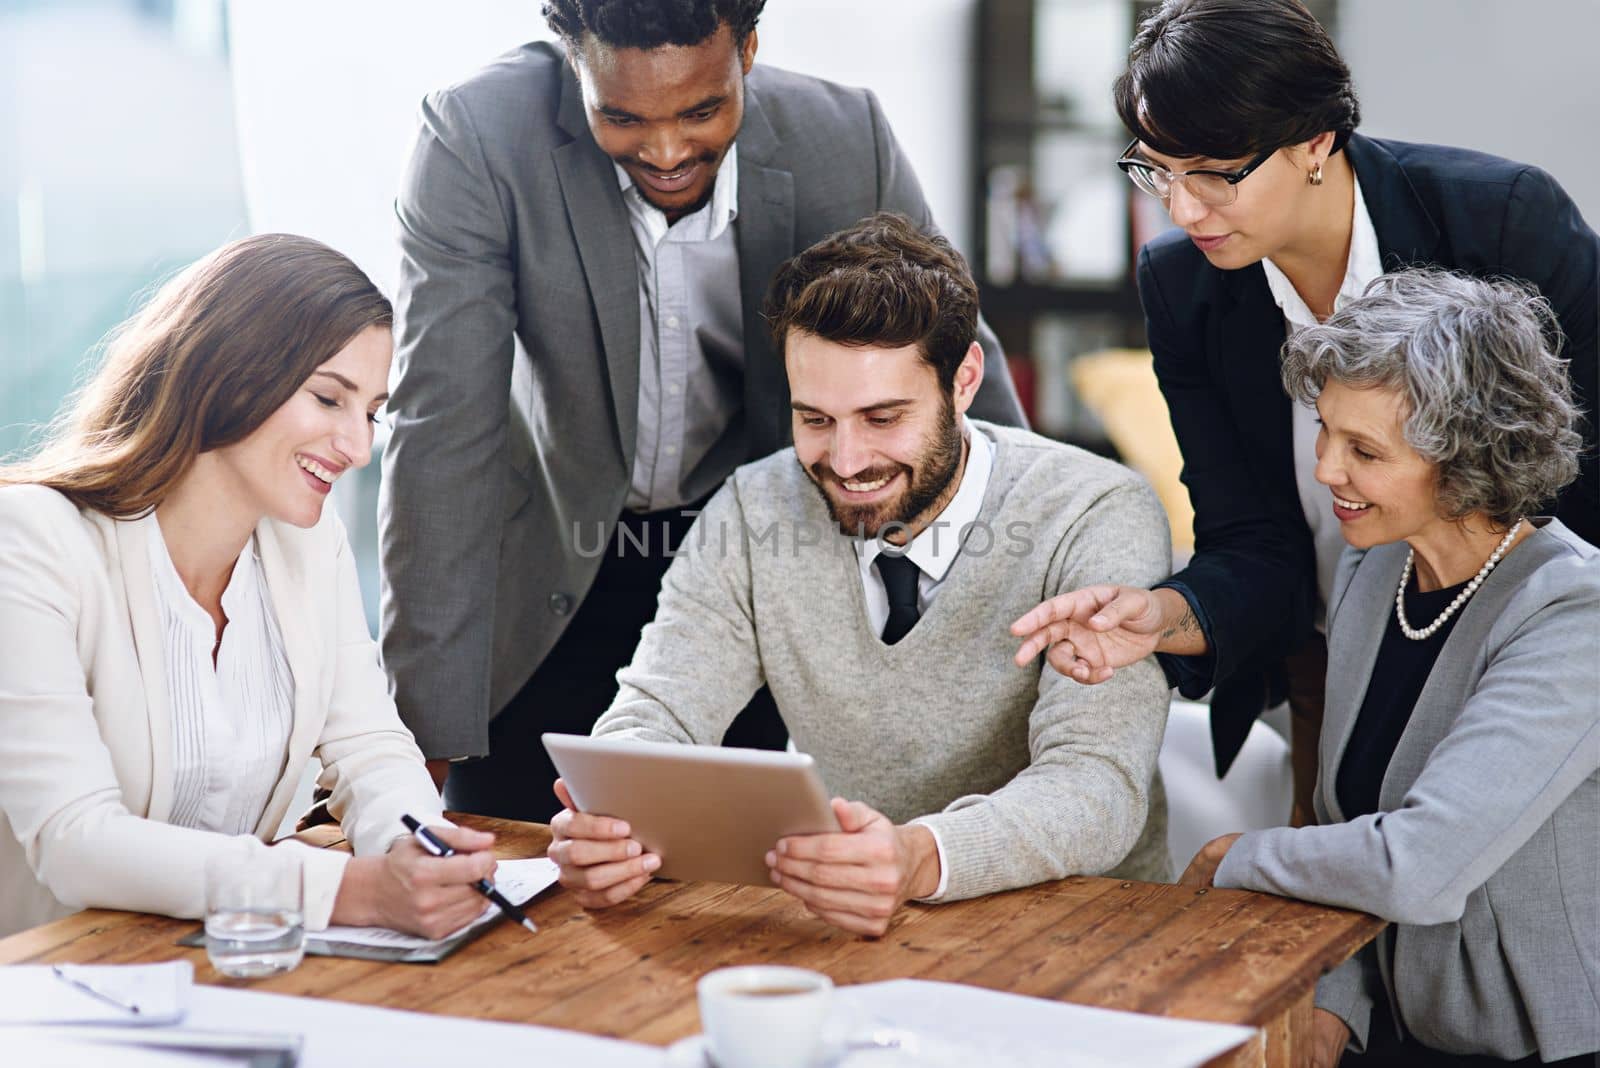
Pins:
x: 1249, y: 335
x: 300, y: 621
x: 766, y: 237
x: 1362, y: 618
x: 144, y: 618
x: 1407, y: 234
x: 604, y: 239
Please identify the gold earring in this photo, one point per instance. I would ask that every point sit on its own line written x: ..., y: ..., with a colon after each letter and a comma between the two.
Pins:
x: 1315, y: 177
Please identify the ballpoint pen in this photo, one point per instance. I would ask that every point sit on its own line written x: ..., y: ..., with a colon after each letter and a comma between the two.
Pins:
x: 92, y: 990
x: 431, y: 843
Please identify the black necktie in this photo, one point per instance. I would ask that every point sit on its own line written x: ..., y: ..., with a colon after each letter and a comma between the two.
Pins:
x: 900, y: 582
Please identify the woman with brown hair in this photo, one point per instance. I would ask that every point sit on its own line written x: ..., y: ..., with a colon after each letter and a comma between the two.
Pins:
x: 180, y: 620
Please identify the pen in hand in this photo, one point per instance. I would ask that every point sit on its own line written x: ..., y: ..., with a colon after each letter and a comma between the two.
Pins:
x: 430, y: 842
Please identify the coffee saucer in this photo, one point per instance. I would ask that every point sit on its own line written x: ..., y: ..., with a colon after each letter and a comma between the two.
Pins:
x: 689, y: 1052
x: 692, y: 1052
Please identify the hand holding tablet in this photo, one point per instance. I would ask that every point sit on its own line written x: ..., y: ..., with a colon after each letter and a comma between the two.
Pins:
x: 638, y: 809
x: 596, y: 856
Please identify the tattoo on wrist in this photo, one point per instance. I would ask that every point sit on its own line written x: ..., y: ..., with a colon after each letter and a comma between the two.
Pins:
x: 1186, y: 625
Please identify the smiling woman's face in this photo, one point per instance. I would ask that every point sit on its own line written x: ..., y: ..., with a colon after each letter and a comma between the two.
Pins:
x: 286, y: 467
x: 1382, y: 490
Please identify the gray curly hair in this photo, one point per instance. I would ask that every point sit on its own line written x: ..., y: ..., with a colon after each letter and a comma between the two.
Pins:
x: 1487, y: 393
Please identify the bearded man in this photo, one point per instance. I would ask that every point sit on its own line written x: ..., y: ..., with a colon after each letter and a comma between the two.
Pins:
x: 868, y: 575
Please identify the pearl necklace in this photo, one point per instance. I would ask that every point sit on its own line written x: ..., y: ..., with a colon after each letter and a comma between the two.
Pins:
x: 1461, y: 598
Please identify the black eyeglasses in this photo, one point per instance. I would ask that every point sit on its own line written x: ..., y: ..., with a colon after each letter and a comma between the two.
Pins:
x: 1213, y: 188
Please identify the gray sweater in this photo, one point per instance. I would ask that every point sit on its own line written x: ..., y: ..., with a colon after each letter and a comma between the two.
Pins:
x: 1025, y: 775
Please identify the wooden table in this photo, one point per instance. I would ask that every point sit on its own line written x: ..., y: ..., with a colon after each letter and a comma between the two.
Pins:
x: 629, y: 972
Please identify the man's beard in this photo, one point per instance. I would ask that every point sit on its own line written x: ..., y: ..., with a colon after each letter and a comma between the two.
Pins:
x: 926, y: 481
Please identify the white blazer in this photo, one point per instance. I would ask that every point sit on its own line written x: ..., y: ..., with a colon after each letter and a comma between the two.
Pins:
x: 86, y: 774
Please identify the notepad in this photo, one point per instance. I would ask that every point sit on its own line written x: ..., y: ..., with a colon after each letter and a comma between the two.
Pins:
x: 34, y: 994
x: 519, y: 880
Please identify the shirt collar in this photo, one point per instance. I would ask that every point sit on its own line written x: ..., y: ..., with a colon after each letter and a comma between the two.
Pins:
x: 236, y: 598
x: 935, y: 549
x: 707, y: 224
x: 1364, y: 265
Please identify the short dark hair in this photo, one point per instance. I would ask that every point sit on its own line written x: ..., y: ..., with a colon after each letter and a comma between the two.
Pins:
x: 651, y: 23
x: 1227, y: 79
x: 881, y: 282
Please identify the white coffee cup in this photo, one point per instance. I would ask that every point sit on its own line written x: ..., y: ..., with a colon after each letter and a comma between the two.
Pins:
x: 764, y: 1016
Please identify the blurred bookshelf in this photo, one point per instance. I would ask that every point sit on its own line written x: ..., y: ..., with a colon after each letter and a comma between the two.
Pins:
x: 1058, y: 225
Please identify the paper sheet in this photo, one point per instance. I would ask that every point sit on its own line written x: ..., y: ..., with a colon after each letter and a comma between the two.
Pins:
x: 148, y: 1047
x: 957, y: 1022
x: 31, y: 993
x: 519, y: 880
x: 340, y: 1035
x: 46, y: 1050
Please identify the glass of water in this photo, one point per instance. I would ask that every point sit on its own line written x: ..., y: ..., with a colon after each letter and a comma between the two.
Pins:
x: 255, y: 914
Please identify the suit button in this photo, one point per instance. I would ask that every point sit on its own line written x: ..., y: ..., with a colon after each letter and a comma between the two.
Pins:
x: 560, y: 604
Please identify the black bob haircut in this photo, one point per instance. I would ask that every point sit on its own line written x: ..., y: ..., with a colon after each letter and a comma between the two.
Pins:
x: 1228, y: 79
x: 651, y: 23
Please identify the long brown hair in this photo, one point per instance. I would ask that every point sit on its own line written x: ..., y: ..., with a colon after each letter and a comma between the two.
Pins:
x: 216, y: 351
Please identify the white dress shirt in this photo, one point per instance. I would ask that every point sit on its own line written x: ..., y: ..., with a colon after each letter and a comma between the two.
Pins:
x: 934, y: 550
x: 1364, y: 264
x: 691, y: 345
x: 231, y: 721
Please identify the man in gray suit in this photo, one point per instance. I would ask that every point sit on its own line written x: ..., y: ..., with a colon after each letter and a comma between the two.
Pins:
x: 587, y: 234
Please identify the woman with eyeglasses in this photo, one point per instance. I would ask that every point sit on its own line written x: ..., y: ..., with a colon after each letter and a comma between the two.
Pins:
x: 1245, y: 119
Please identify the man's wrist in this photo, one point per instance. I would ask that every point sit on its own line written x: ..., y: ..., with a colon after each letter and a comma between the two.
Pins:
x: 922, y: 861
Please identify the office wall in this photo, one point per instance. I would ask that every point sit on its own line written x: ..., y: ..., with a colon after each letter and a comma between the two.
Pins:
x: 917, y: 56
x: 1516, y: 79
x: 326, y: 95
x: 117, y: 165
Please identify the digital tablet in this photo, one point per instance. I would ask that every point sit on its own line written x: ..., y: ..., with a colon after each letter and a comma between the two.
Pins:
x: 709, y: 812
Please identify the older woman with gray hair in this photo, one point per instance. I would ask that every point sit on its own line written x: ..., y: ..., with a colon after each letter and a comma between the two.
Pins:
x: 1458, y: 793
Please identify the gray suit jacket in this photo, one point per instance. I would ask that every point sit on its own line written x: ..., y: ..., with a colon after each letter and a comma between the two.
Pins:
x: 518, y: 353
x: 1485, y: 853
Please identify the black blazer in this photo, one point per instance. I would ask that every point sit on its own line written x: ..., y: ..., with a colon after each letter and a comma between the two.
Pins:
x: 1216, y: 336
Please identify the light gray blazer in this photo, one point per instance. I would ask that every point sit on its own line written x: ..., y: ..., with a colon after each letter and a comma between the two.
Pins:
x: 518, y: 357
x: 1485, y: 854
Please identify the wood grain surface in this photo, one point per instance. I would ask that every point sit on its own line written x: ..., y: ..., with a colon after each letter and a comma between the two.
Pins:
x: 1222, y: 955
